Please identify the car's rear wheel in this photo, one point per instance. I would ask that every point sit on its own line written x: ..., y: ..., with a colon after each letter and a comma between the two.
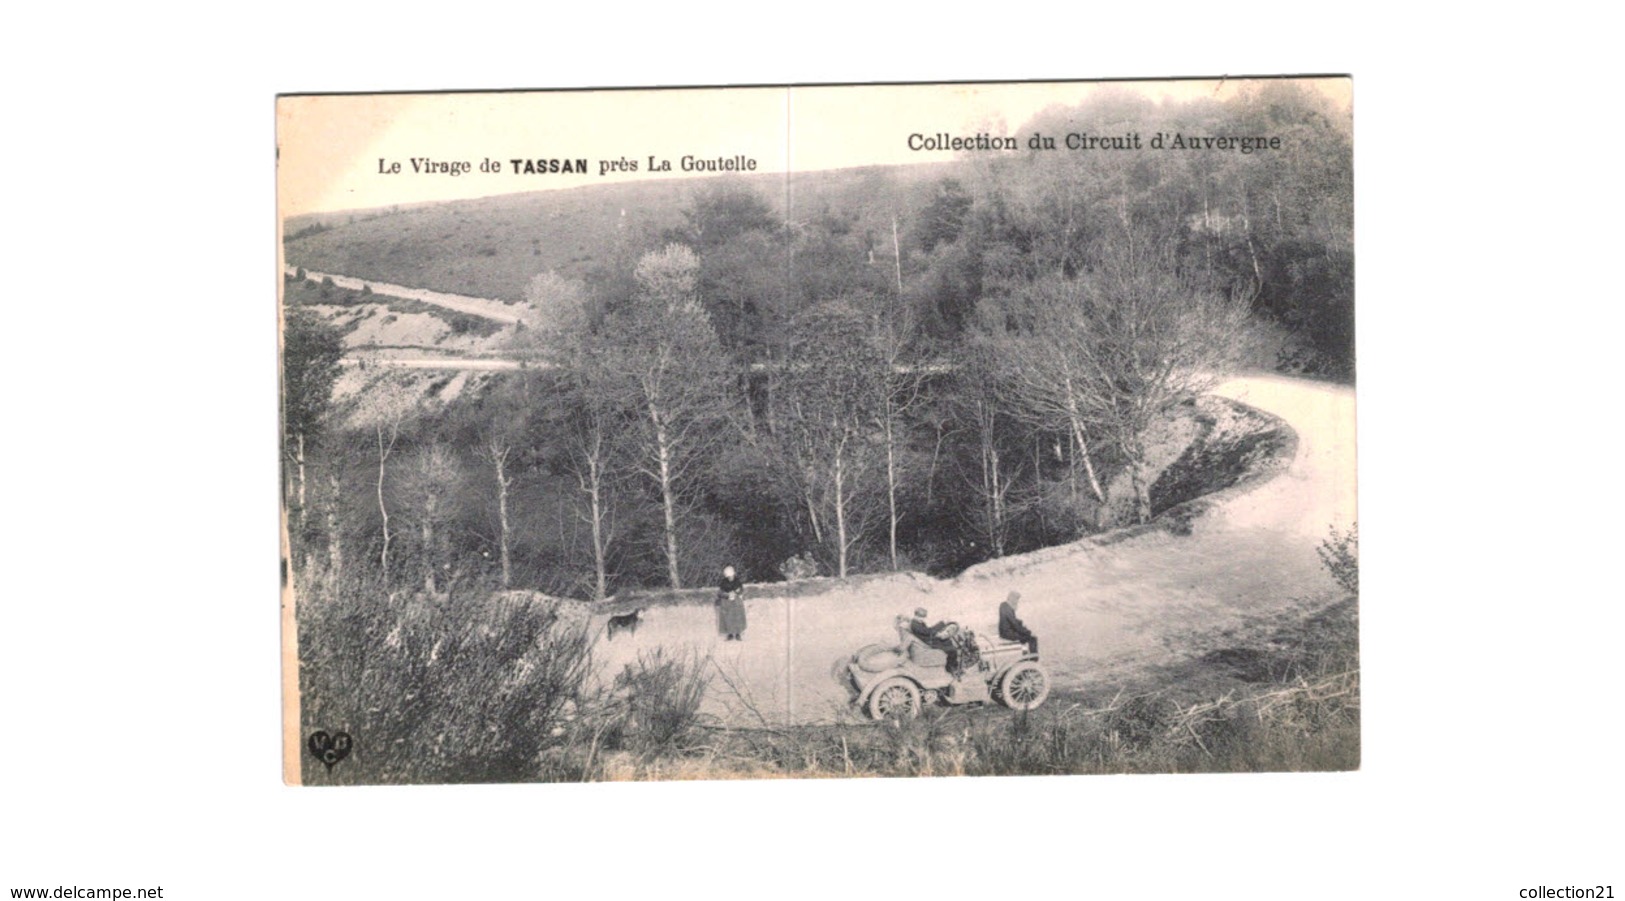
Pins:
x: 895, y: 698
x: 1024, y: 686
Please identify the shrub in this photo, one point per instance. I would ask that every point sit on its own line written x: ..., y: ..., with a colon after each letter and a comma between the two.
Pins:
x: 1138, y: 722
x: 463, y: 691
x: 801, y: 566
x: 659, y: 698
x: 1340, y: 554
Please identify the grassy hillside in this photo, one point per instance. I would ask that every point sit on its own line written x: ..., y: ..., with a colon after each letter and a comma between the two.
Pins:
x: 492, y: 247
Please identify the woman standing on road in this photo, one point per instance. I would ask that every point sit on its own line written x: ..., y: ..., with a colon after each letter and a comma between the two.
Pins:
x: 731, y: 606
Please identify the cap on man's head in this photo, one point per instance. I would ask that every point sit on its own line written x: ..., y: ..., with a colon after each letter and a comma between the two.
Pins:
x: 920, y: 613
x: 1013, y: 598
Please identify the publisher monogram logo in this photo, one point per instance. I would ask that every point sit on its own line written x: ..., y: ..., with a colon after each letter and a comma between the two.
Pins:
x: 330, y: 749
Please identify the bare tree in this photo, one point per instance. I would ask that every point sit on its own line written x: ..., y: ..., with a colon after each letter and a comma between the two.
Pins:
x: 432, y: 479
x: 592, y: 427
x: 1112, y: 351
x: 976, y: 408
x: 385, y: 409
x: 1038, y: 340
x: 556, y: 310
x: 334, y: 485
x: 901, y: 381
x: 666, y: 357
x: 994, y: 487
x: 311, y: 350
x: 1158, y: 335
x: 497, y: 447
x: 833, y: 384
x: 592, y: 469
x: 565, y: 330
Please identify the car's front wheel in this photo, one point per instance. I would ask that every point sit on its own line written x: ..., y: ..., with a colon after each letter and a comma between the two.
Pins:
x: 1024, y: 686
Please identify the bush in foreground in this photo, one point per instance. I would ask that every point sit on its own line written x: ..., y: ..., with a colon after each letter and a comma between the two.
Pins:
x: 457, y: 691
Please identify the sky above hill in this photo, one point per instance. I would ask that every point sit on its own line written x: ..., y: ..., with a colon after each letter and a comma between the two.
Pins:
x: 341, y: 152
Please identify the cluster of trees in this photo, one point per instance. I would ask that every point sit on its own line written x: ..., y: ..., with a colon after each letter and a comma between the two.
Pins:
x: 892, y: 384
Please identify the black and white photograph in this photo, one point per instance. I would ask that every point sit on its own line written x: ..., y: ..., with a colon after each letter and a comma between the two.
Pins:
x: 829, y: 451
x: 909, y: 430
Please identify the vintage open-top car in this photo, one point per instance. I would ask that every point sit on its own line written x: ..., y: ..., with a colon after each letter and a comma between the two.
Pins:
x: 895, y: 680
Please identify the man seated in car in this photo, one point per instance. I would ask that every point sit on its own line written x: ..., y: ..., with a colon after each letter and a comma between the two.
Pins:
x: 931, y: 635
x: 1011, y: 628
x: 944, y: 636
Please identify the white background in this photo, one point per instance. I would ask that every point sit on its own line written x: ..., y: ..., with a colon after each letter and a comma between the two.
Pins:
x: 139, y: 644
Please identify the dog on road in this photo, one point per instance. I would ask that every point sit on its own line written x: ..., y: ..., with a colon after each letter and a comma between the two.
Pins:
x: 625, y: 622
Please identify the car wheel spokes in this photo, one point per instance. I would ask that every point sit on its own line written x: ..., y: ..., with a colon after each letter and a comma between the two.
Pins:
x: 1025, y: 689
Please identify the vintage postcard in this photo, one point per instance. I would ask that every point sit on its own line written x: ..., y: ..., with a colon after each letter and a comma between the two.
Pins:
x: 818, y: 431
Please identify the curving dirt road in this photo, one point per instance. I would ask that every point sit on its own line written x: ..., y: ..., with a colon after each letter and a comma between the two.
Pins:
x: 448, y: 364
x: 483, y: 307
x: 1102, y: 614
